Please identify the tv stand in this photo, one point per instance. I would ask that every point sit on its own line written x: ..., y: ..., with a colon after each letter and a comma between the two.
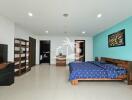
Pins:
x: 6, y: 74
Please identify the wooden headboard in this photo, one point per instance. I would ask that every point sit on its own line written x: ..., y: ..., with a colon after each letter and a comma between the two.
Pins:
x: 117, y: 62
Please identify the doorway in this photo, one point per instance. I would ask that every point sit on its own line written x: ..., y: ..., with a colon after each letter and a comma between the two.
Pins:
x: 80, y: 50
x: 32, y: 52
x: 45, y: 51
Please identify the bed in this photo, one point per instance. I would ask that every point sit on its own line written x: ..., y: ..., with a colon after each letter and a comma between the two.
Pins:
x: 106, y: 69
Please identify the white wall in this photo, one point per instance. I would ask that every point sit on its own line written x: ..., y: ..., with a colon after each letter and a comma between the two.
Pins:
x: 7, y: 31
x: 55, y: 42
x: 59, y: 40
x: 22, y: 33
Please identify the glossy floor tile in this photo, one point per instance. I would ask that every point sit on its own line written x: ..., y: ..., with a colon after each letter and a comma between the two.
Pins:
x: 46, y: 82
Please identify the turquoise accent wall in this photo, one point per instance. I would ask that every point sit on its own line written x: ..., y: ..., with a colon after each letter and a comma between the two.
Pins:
x: 100, y: 42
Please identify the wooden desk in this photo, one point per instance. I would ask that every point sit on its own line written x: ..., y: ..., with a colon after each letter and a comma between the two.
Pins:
x: 61, y: 60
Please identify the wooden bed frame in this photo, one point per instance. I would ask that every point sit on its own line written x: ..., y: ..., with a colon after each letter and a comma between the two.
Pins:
x: 120, y: 63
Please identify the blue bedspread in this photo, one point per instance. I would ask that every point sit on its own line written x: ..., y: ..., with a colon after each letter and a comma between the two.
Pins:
x: 92, y: 69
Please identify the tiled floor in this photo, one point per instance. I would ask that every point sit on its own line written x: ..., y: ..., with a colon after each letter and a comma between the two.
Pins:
x: 46, y: 82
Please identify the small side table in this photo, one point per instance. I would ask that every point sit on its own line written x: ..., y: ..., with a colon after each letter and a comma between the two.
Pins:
x: 61, y: 60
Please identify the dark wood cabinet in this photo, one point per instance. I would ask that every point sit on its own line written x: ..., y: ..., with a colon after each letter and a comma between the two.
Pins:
x: 61, y: 60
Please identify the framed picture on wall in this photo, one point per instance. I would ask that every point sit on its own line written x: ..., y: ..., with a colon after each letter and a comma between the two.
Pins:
x: 117, y: 39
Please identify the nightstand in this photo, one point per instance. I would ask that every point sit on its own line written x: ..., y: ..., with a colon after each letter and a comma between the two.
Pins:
x: 61, y: 60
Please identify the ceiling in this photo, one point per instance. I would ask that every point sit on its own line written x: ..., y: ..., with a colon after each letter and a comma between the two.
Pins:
x: 48, y: 15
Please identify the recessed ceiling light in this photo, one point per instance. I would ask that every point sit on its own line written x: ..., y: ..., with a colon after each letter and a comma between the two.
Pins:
x: 99, y: 15
x: 30, y: 14
x: 65, y: 15
x: 83, y: 32
x: 47, y: 32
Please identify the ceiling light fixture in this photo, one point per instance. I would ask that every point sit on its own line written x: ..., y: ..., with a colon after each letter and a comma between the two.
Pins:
x: 30, y: 14
x: 65, y: 15
x: 83, y: 32
x: 99, y: 15
x: 47, y: 32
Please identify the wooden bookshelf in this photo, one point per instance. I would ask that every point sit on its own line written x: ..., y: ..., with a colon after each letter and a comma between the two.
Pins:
x: 21, y: 56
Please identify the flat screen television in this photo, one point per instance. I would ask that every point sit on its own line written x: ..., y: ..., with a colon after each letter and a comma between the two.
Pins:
x: 3, y: 53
